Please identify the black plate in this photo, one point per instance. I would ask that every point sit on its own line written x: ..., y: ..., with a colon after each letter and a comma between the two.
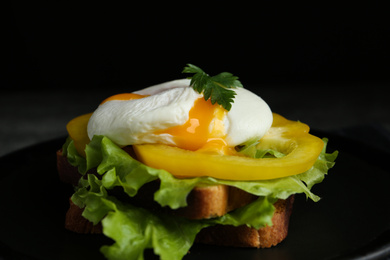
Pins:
x: 352, y: 220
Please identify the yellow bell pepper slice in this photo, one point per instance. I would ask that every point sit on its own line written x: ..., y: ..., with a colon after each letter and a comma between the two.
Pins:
x: 289, y: 137
x: 77, y: 130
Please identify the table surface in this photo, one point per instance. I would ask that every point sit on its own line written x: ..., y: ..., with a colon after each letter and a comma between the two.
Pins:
x: 31, y: 116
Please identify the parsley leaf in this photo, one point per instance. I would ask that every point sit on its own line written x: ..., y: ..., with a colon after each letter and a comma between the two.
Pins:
x: 218, y: 88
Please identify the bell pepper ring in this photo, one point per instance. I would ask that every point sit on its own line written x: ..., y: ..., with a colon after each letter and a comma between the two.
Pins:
x: 289, y: 137
x: 77, y: 130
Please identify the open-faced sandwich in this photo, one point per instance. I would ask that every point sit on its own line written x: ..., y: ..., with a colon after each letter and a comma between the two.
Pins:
x: 192, y: 160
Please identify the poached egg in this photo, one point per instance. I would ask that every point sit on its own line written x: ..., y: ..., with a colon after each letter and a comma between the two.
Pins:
x: 173, y: 113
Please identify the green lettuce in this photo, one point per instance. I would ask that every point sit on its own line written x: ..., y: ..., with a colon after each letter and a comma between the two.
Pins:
x: 134, y: 229
x: 250, y: 149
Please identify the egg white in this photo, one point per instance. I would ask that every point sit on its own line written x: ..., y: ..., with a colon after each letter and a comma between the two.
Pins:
x: 250, y: 117
x: 128, y: 122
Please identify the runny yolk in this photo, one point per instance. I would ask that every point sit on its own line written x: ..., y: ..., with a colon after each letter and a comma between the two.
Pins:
x: 203, y: 131
x: 124, y: 96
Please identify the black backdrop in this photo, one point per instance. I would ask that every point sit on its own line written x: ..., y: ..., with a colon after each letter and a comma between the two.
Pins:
x: 324, y: 64
x: 135, y: 45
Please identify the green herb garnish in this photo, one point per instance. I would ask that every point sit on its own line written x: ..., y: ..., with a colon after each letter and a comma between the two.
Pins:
x: 218, y: 88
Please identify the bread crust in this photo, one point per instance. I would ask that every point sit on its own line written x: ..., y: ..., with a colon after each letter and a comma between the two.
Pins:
x: 66, y: 172
x: 203, y: 202
x: 244, y: 236
x: 74, y: 221
x: 213, y: 201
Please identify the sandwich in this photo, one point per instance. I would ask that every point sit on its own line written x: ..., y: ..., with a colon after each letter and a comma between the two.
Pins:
x: 194, y: 160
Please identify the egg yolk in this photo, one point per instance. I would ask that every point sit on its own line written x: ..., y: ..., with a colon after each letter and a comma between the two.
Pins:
x: 124, y: 96
x: 203, y: 131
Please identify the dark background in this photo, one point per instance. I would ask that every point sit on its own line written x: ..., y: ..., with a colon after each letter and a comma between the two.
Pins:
x: 104, y: 45
x: 326, y: 64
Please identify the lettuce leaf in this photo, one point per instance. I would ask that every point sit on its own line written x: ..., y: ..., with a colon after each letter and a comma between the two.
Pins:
x: 134, y: 229
x: 120, y: 169
x: 250, y: 149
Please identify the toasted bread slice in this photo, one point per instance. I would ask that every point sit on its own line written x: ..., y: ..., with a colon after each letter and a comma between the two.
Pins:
x: 75, y: 222
x: 244, y: 236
